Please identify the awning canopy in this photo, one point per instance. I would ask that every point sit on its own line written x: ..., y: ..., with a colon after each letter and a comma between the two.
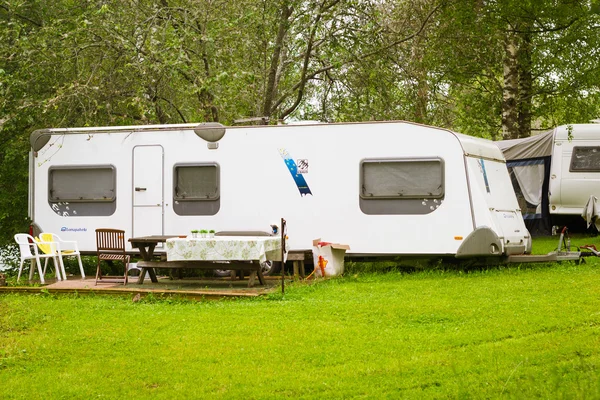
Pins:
x: 537, y: 146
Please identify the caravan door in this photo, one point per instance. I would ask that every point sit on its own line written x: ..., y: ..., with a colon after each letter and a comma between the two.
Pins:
x: 148, y: 182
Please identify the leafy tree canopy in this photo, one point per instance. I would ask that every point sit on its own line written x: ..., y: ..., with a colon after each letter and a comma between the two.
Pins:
x: 485, y: 68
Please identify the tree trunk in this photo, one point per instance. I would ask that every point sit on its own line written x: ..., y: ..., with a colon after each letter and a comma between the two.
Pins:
x: 422, y: 85
x: 422, y: 101
x: 205, y: 96
x: 286, y: 12
x: 510, y: 88
x: 525, y: 86
x: 160, y: 113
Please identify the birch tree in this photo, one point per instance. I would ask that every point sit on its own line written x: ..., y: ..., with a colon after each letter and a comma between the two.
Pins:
x: 518, y: 57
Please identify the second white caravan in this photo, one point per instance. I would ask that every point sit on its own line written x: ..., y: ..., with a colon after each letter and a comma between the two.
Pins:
x: 555, y: 174
x: 383, y: 188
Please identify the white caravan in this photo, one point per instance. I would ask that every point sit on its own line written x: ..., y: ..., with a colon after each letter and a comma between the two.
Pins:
x: 555, y: 174
x: 383, y: 188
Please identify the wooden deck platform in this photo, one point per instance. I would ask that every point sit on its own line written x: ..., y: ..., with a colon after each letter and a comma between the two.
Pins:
x: 191, y: 288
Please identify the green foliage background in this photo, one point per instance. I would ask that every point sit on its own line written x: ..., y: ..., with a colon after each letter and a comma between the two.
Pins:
x: 72, y: 63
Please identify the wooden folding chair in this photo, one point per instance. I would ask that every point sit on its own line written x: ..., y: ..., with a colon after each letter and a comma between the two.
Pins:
x: 110, y: 245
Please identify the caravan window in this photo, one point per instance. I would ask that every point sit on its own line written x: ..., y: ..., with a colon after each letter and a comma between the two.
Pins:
x: 82, y: 184
x: 196, y: 182
x: 401, y: 186
x: 196, y: 189
x: 585, y: 159
x: 403, y: 179
x: 77, y: 191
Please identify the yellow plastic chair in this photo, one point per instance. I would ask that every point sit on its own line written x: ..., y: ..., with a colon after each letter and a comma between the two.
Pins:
x: 29, y: 251
x: 48, y: 249
x: 63, y: 248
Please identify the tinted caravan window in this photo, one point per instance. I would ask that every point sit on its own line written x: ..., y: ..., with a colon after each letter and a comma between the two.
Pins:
x: 585, y: 159
x: 82, y: 190
x: 196, y: 189
x: 401, y: 186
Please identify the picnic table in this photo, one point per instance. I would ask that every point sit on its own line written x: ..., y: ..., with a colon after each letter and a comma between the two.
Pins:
x: 146, y: 245
x: 219, y: 252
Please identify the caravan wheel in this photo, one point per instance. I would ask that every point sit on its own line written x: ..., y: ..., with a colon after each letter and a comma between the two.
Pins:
x: 221, y: 273
x: 268, y: 268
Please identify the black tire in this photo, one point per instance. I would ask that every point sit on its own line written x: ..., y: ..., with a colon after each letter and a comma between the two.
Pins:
x: 222, y: 272
x: 268, y: 268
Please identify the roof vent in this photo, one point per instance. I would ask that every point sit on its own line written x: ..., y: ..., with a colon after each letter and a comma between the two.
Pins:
x: 212, y: 132
x: 39, y: 138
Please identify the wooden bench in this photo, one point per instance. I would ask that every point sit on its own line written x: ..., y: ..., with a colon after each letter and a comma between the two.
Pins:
x: 297, y: 259
x: 252, y: 266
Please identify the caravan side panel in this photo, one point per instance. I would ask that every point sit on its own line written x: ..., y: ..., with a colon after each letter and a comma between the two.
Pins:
x: 575, y: 169
x: 311, y: 175
x: 257, y: 187
x: 78, y: 219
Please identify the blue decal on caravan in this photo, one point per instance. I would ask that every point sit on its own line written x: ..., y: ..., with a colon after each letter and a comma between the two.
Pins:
x: 293, y: 168
x: 485, y: 178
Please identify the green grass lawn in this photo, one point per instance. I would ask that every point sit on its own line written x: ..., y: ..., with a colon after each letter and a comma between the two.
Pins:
x: 520, y: 331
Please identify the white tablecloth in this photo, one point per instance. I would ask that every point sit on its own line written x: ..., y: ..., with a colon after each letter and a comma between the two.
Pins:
x: 225, y: 248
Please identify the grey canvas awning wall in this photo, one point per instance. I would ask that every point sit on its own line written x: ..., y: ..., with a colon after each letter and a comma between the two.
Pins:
x: 528, y: 163
x: 537, y: 146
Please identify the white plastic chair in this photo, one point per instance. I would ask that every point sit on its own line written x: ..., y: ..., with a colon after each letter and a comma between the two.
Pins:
x: 29, y: 251
x: 64, y: 248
